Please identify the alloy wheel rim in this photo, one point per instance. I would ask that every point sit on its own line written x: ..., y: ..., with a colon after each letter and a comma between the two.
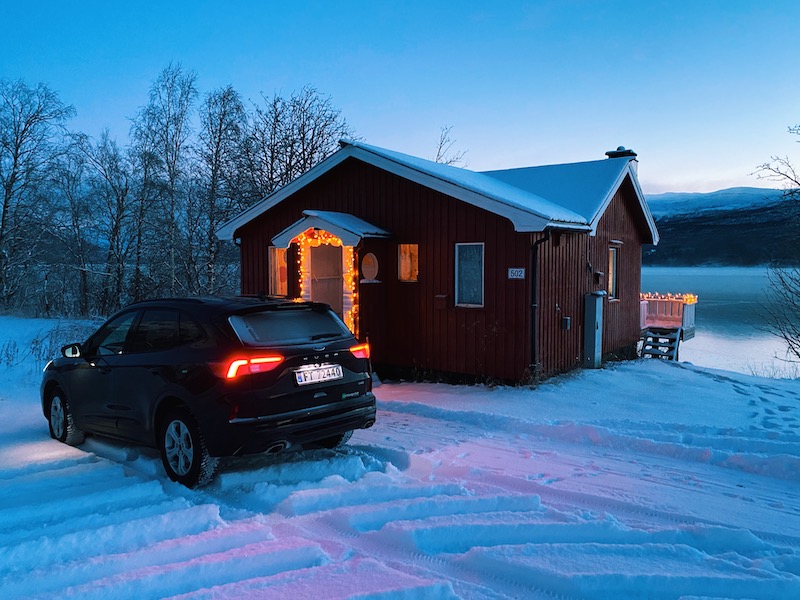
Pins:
x: 57, y: 417
x: 178, y: 447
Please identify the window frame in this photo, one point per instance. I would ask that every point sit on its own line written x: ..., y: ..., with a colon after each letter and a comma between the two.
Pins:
x: 414, y: 265
x: 273, y: 277
x: 612, y: 281
x: 458, y: 302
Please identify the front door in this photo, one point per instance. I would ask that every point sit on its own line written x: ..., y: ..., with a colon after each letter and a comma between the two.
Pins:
x: 326, y: 276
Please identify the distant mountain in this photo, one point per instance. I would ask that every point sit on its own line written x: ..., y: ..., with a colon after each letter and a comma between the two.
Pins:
x: 737, y: 226
x: 677, y: 203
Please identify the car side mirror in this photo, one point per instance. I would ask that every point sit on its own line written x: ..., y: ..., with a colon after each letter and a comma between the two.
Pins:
x: 71, y: 351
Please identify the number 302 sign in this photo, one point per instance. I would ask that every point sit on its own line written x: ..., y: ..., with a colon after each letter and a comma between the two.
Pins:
x: 516, y: 273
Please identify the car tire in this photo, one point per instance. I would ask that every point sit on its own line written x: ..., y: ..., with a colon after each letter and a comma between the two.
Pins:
x: 183, y: 450
x: 335, y: 441
x: 61, y: 420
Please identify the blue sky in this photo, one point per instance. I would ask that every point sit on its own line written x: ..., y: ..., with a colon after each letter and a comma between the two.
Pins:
x: 703, y: 90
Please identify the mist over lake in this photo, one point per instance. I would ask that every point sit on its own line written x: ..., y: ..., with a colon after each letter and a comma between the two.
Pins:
x: 731, y: 328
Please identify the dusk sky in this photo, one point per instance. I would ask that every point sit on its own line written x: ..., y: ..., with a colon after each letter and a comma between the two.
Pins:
x: 703, y: 91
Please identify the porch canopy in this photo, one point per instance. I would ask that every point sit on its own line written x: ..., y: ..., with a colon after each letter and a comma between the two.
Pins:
x: 346, y: 227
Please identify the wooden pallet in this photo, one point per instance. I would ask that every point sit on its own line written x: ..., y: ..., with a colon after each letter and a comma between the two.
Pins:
x: 661, y: 342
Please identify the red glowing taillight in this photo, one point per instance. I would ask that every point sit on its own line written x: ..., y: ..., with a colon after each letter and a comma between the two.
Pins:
x: 360, y: 351
x: 249, y: 366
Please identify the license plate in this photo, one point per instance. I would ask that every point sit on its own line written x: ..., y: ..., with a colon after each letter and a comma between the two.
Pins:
x: 318, y: 373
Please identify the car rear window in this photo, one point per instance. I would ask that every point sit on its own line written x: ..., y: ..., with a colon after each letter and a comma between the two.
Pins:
x: 288, y: 326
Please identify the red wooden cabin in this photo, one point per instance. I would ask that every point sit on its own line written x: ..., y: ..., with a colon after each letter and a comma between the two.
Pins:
x: 445, y: 270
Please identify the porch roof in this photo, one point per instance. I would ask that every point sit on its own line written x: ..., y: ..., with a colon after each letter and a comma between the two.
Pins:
x: 348, y: 228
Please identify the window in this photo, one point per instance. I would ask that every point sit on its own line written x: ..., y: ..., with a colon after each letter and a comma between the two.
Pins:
x: 158, y: 330
x: 408, y: 262
x: 278, y: 278
x: 111, y: 338
x: 613, y: 272
x: 469, y: 274
x: 190, y: 331
x: 291, y: 325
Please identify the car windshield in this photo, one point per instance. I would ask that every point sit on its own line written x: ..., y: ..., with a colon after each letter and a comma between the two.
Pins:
x: 288, y: 326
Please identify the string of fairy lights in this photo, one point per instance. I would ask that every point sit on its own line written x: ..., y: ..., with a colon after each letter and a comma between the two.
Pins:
x: 312, y: 238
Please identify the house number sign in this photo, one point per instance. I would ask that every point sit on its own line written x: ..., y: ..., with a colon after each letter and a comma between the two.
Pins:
x: 516, y: 273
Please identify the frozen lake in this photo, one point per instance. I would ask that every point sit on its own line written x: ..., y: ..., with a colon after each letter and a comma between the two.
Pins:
x: 730, y: 320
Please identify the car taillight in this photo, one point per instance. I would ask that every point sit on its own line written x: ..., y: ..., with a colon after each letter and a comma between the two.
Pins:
x: 360, y: 351
x: 249, y: 366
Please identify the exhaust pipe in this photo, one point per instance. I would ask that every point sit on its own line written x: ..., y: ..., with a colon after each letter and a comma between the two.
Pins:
x: 277, y: 447
x: 368, y: 424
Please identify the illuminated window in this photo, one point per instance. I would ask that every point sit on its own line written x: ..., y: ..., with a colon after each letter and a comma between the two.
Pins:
x: 613, y: 271
x: 278, y: 277
x: 408, y: 262
x: 469, y: 274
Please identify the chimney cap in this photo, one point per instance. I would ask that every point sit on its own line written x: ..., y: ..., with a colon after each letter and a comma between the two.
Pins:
x: 621, y: 152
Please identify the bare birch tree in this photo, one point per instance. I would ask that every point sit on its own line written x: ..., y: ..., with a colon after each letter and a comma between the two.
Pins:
x: 289, y: 136
x: 31, y: 121
x: 72, y: 231
x: 444, y: 149
x: 109, y: 180
x: 223, y: 126
x: 783, y: 309
x: 167, y: 120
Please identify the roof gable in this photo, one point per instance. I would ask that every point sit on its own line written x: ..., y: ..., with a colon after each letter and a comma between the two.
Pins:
x: 585, y: 188
x: 512, y: 194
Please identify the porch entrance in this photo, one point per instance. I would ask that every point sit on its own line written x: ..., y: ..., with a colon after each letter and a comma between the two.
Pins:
x: 327, y: 277
x: 326, y: 260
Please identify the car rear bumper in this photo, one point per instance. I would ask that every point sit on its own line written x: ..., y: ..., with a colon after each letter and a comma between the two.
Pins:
x: 262, y: 434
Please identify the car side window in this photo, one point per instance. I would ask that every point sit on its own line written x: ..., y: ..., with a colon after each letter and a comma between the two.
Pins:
x: 190, y: 330
x: 157, y: 330
x: 110, y: 339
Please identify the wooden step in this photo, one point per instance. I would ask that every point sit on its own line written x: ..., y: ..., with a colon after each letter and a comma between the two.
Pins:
x: 661, y: 342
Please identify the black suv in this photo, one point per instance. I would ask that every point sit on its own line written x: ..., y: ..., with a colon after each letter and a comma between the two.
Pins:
x: 200, y: 378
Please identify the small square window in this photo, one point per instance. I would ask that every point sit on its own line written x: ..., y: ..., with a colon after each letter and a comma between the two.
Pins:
x: 469, y: 275
x: 408, y: 262
x: 278, y: 273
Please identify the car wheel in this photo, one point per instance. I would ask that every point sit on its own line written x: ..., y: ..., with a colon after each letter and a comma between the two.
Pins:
x: 62, y: 423
x: 184, y: 452
x: 335, y: 441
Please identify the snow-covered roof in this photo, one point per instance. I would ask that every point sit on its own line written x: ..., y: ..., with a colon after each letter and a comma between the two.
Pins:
x: 348, y: 228
x: 585, y: 188
x: 532, y: 199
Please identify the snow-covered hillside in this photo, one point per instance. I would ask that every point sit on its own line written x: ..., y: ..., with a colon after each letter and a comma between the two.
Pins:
x: 689, y: 203
x: 642, y: 480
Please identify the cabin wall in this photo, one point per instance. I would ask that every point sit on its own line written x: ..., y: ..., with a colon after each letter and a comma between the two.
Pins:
x: 416, y: 325
x: 622, y: 221
x: 564, y: 279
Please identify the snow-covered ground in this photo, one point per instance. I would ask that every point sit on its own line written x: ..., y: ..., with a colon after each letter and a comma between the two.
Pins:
x: 641, y: 480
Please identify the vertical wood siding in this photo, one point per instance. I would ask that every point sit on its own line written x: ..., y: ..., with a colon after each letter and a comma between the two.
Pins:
x: 406, y: 323
x: 416, y: 325
x: 621, y: 221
